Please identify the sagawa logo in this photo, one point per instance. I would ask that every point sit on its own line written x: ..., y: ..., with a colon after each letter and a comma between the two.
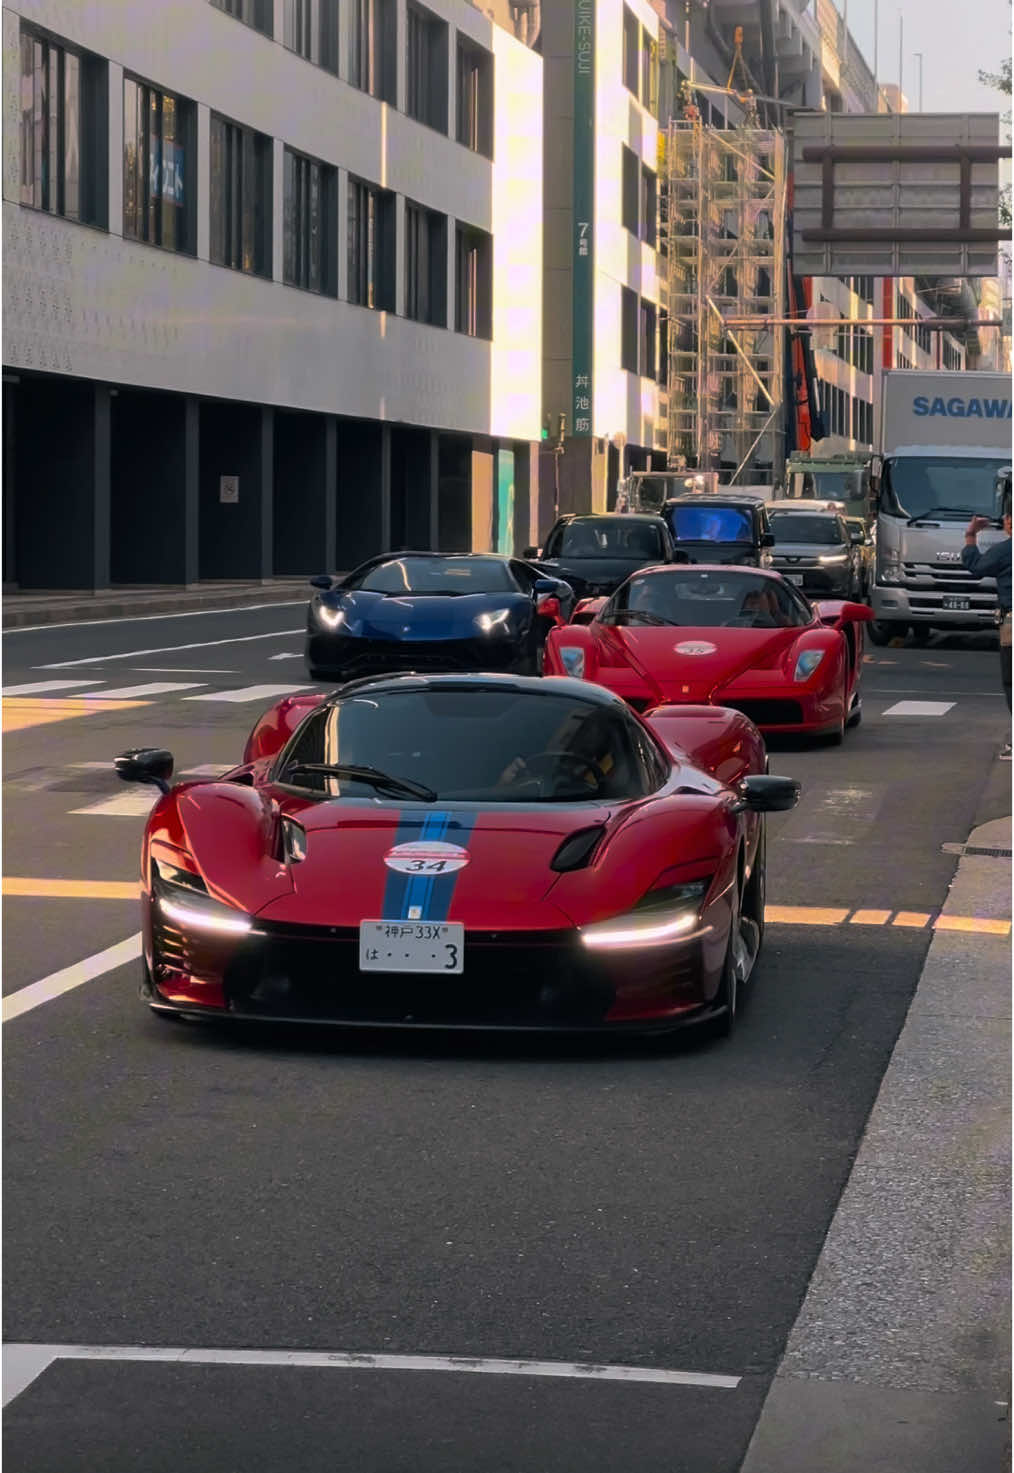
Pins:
x: 426, y: 857
x: 958, y: 408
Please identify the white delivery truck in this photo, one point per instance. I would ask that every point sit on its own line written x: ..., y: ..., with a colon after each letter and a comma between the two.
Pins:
x: 943, y: 438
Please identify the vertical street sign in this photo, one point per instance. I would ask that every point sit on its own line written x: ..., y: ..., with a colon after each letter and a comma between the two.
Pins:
x: 583, y: 336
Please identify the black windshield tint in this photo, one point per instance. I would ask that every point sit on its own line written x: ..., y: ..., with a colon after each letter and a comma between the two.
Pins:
x: 794, y: 526
x: 619, y: 538
x: 710, y: 523
x: 708, y: 600
x: 952, y: 488
x: 477, y: 746
x: 437, y: 575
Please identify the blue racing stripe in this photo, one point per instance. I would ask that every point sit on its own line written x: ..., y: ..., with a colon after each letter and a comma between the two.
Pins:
x: 441, y: 892
x: 420, y: 887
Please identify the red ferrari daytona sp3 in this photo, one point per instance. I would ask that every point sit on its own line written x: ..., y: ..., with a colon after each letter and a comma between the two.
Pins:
x: 475, y: 851
x: 721, y: 636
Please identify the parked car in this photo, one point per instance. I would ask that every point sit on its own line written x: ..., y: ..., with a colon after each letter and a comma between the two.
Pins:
x: 815, y: 551
x: 462, y: 851
x: 432, y: 611
x: 863, y: 538
x: 595, y: 553
x: 720, y: 528
x: 722, y: 636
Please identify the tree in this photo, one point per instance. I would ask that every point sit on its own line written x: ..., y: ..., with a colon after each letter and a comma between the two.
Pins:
x: 1001, y: 80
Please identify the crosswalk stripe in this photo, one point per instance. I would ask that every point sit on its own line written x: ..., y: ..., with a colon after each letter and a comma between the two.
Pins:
x: 250, y: 693
x: 136, y: 692
x: 134, y: 802
x: 40, y: 687
x: 919, y: 708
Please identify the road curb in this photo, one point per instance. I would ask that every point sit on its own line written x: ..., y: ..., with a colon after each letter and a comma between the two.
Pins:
x: 899, y: 1359
x: 125, y: 606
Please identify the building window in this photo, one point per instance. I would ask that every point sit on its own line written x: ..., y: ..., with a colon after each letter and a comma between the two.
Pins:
x: 646, y: 364
x: 663, y: 348
x: 425, y: 265
x: 647, y: 72
x: 473, y: 281
x: 631, y: 50
x: 427, y: 68
x: 240, y: 197
x: 371, y: 242
x: 630, y: 197
x: 159, y: 174
x: 256, y: 13
x: 475, y: 97
x: 370, y: 26
x: 649, y: 205
x: 310, y: 29
x: 63, y: 130
x: 310, y: 224
x: 628, y: 329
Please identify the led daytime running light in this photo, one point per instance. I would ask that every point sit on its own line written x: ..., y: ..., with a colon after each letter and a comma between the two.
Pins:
x: 203, y: 920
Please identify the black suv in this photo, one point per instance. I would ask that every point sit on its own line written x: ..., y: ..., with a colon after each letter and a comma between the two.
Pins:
x: 815, y: 550
x: 713, y: 528
x: 598, y: 552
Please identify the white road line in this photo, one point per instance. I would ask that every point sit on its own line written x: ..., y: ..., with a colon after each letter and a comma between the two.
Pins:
x: 287, y: 603
x: 919, y: 708
x: 298, y: 655
x: 23, y: 1363
x: 250, y: 693
x: 182, y: 670
x: 919, y: 690
x: 41, y: 687
x: 133, y: 802
x: 168, y: 649
x: 55, y: 985
x: 153, y: 688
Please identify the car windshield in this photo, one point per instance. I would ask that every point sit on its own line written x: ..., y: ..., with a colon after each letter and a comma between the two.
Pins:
x: 475, y: 745
x: 793, y: 526
x: 601, y: 537
x: 694, y: 598
x: 710, y: 523
x: 436, y: 575
x: 949, y: 488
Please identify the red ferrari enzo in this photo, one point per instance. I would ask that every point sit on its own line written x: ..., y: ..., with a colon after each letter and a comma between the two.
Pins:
x: 475, y: 851
x: 721, y: 636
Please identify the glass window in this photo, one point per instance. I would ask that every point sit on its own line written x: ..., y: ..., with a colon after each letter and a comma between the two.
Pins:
x: 475, y: 97
x: 371, y: 232
x: 649, y: 208
x: 62, y: 127
x: 628, y: 329
x: 630, y: 191
x: 952, y: 488
x: 370, y: 40
x: 710, y: 523
x: 605, y: 537
x: 310, y: 28
x: 158, y: 152
x: 478, y: 745
x: 309, y: 224
x: 798, y: 527
x: 425, y: 265
x: 646, y: 364
x: 694, y: 598
x: 426, y: 99
x: 631, y: 50
x: 473, y: 282
x: 435, y: 575
x: 255, y: 13
x: 241, y: 191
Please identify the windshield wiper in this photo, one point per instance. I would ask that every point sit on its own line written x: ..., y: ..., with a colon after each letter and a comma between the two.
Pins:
x: 382, y: 781
x: 643, y: 616
x: 935, y: 511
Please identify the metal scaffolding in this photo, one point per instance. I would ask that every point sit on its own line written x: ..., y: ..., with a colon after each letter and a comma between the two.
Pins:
x: 724, y: 229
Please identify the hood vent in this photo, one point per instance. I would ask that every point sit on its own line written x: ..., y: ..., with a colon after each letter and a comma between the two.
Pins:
x: 577, y: 849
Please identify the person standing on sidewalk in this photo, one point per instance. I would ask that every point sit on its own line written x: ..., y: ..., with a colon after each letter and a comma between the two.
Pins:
x: 995, y: 562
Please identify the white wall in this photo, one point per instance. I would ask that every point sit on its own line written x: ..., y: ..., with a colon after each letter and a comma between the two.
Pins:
x: 80, y: 301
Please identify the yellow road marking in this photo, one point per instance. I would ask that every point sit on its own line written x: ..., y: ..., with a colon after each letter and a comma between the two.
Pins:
x: 803, y: 915
x: 20, y: 712
x: 912, y: 918
x: 73, y: 889
x: 869, y: 918
x: 972, y: 923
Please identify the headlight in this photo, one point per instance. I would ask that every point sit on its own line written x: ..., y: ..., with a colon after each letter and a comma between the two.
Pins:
x: 572, y: 657
x: 807, y: 663
x: 833, y: 557
x: 890, y: 566
x: 495, y: 622
x: 183, y: 897
x: 663, y: 917
x: 330, y: 618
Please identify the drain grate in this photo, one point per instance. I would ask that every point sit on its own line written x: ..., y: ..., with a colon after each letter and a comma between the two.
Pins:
x: 965, y: 849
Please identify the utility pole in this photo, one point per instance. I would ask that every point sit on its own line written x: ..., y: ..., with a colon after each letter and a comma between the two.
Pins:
x: 876, y: 53
x: 918, y: 57
x: 901, y: 58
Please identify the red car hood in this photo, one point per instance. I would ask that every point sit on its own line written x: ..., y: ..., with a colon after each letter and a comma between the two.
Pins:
x: 485, y: 867
x: 690, y: 664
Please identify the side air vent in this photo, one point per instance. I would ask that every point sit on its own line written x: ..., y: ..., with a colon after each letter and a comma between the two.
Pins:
x: 577, y: 849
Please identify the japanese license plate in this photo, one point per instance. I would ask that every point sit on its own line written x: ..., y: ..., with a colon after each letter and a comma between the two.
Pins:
x: 796, y: 578
x: 411, y: 946
x: 955, y: 603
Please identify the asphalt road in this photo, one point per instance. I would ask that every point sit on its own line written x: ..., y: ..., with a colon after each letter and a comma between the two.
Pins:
x: 642, y: 1206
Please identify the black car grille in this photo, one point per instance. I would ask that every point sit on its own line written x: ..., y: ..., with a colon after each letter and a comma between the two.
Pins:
x: 445, y: 657
x: 769, y: 713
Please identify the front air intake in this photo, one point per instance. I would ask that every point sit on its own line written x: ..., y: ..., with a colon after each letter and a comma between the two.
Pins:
x: 576, y: 851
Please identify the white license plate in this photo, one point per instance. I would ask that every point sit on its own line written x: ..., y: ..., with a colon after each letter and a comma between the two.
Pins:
x: 956, y: 603
x: 796, y: 578
x: 411, y: 946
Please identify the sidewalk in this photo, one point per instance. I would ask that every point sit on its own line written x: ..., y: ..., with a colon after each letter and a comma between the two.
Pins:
x: 899, y: 1361
x: 141, y: 600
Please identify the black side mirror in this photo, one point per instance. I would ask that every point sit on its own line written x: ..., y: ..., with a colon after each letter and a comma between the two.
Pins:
x: 321, y: 581
x: 765, y: 794
x: 856, y: 537
x: 530, y: 552
x: 546, y: 586
x: 145, y: 765
x: 767, y: 539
